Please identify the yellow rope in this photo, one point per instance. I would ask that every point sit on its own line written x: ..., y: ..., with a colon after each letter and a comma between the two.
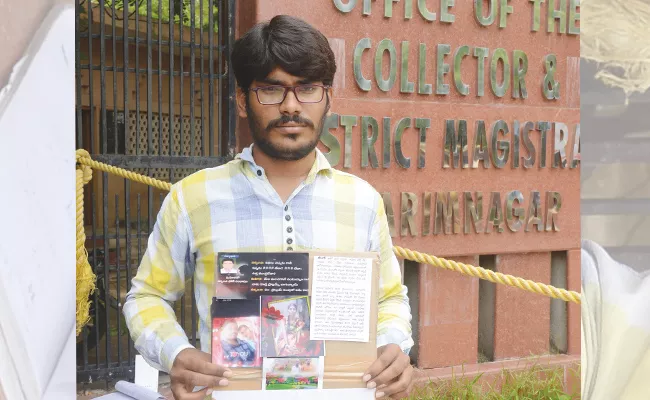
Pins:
x: 87, y: 161
x: 85, y: 275
x: 495, y: 277
x: 85, y: 278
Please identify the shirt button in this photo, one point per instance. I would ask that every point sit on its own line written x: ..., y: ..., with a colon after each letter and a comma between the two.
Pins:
x: 259, y: 173
x: 289, y: 229
x: 286, y: 208
x: 287, y: 217
x: 289, y: 248
x: 289, y: 241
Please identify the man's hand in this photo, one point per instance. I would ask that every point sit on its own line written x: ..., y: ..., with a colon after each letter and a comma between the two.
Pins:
x: 391, y: 373
x: 194, y: 368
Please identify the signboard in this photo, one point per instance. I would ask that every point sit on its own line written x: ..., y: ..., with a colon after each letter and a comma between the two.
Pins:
x: 464, y: 115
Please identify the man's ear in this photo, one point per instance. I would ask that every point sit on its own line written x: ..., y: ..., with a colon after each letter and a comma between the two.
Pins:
x: 241, y: 103
x: 330, y: 95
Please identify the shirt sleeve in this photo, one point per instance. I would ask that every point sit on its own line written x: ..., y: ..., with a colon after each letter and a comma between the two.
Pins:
x: 394, y: 322
x: 160, y: 281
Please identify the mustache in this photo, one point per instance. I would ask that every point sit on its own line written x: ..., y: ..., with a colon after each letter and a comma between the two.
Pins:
x: 285, y: 119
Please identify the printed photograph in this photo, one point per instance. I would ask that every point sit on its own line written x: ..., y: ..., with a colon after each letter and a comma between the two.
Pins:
x: 236, y: 333
x: 234, y: 342
x: 232, y: 277
x: 285, y: 328
x: 228, y: 266
x: 292, y: 373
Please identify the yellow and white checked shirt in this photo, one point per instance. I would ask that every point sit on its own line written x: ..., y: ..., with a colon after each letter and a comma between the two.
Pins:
x: 233, y: 207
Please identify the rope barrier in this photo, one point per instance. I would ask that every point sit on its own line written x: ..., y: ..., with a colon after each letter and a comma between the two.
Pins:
x: 85, y: 276
x: 488, y: 275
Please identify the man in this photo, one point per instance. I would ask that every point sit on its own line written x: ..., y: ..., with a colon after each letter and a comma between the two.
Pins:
x: 280, y: 194
x: 236, y: 351
x: 246, y: 333
x: 228, y: 267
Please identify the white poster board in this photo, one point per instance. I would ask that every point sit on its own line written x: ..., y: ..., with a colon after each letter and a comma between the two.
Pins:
x: 319, y: 394
x: 37, y: 234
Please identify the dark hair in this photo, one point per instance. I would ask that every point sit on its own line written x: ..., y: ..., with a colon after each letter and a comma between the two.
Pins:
x: 283, y: 42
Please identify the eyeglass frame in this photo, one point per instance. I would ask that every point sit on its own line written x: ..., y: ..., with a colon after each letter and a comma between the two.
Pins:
x: 286, y: 91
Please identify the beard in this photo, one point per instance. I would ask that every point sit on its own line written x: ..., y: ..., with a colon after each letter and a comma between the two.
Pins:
x: 261, y: 135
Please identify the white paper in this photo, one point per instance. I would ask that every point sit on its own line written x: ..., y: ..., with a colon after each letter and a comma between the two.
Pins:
x: 146, y: 376
x: 137, y: 392
x: 317, y: 394
x: 114, y: 396
x: 340, y: 307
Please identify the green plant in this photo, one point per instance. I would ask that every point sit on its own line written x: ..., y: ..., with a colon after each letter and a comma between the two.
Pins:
x: 534, y: 383
x: 163, y: 9
x: 529, y: 385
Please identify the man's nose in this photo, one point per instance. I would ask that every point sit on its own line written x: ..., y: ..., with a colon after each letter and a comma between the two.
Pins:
x: 290, y: 105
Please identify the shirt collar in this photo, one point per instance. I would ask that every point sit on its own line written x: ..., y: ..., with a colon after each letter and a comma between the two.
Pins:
x: 321, y: 165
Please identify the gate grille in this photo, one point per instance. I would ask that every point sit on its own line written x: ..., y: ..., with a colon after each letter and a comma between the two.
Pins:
x: 153, y: 95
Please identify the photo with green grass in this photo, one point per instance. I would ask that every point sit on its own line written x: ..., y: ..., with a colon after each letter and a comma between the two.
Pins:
x: 291, y: 373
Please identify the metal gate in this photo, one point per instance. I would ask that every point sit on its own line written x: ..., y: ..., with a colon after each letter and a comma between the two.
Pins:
x: 153, y: 95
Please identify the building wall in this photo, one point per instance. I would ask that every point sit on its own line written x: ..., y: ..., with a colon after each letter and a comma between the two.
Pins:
x: 459, y: 319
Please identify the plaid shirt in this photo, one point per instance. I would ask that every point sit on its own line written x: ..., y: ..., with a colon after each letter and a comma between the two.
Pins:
x: 233, y: 207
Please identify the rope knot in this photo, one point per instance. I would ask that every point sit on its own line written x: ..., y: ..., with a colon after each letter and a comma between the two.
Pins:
x: 87, y: 171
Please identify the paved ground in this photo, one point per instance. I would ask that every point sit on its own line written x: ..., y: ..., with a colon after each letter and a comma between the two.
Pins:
x: 95, y: 393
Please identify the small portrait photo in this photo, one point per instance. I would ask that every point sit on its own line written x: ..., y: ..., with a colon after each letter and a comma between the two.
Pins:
x: 228, y: 266
x: 232, y: 277
x: 235, y: 342
x: 285, y: 328
x: 292, y: 373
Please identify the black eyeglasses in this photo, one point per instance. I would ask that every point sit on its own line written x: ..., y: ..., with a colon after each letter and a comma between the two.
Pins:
x: 275, y: 94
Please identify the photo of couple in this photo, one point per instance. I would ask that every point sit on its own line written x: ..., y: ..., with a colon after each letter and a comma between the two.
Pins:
x: 235, y: 342
x: 235, y: 333
x: 286, y: 329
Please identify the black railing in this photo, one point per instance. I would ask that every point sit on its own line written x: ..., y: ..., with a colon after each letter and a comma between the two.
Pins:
x: 153, y: 96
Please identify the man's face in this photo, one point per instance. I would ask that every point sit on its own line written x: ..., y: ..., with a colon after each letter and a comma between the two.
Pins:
x: 289, y: 130
x: 227, y: 265
x: 244, y: 331
x: 230, y: 331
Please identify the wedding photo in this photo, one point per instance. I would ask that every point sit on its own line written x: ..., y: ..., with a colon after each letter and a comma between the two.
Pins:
x: 286, y: 328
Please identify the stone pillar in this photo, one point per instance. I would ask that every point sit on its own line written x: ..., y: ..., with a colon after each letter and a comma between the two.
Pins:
x: 448, y: 318
x: 522, y: 319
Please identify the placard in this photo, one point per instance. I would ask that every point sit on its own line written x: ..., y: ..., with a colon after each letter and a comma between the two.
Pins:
x: 250, y: 275
x: 341, y: 367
